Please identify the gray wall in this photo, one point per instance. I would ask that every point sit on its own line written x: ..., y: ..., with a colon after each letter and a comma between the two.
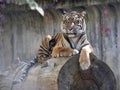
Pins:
x: 22, y: 31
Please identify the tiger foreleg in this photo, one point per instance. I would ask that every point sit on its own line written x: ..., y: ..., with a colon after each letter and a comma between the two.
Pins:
x: 84, y: 59
x: 63, y: 51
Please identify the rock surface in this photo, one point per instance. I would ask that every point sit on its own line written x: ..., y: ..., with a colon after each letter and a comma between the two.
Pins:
x: 39, y: 78
x: 98, y: 77
x: 62, y: 74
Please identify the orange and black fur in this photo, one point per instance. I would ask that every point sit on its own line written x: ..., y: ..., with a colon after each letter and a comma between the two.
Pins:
x: 69, y: 42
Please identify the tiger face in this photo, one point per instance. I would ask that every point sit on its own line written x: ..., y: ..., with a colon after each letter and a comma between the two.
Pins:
x: 74, y: 23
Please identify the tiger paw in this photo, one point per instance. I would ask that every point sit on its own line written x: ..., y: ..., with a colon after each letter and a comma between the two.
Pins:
x: 49, y: 37
x: 84, y: 65
x: 69, y: 52
x: 75, y: 51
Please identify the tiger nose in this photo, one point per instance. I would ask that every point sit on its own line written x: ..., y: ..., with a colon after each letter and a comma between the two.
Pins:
x: 74, y: 31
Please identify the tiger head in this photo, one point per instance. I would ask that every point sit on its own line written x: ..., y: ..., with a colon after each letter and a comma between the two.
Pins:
x: 73, y: 23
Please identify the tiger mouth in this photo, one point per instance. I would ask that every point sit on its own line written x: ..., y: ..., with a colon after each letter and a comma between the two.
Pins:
x: 72, y: 33
x: 69, y: 33
x: 75, y: 34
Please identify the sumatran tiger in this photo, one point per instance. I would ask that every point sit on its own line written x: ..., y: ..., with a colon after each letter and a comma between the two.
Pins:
x: 70, y: 41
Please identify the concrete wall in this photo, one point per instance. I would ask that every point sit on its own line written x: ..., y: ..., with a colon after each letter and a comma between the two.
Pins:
x: 22, y: 31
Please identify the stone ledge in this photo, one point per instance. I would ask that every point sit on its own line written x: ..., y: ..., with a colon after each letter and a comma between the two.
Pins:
x: 64, y: 74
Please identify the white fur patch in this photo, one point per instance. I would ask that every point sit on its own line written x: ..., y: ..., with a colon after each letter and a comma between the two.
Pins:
x: 49, y: 37
x: 75, y: 51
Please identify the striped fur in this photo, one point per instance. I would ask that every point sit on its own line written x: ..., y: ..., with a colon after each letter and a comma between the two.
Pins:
x: 45, y: 50
x: 67, y: 43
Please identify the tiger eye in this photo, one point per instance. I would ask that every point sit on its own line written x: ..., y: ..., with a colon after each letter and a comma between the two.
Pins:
x: 64, y: 22
x: 76, y: 22
x: 68, y: 22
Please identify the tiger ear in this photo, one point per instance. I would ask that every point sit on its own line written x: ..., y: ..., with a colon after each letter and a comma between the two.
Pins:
x: 83, y: 13
x: 63, y: 11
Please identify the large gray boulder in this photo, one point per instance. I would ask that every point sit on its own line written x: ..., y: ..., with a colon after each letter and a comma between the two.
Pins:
x: 98, y: 77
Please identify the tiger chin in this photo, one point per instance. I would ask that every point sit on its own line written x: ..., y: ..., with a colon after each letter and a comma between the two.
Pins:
x: 71, y: 41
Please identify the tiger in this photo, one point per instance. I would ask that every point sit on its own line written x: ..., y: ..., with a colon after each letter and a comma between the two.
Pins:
x: 71, y: 40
